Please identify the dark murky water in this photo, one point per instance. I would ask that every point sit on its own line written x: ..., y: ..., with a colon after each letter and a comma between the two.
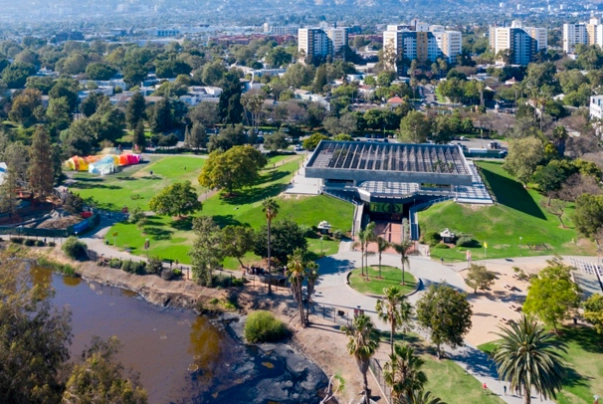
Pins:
x: 181, y: 357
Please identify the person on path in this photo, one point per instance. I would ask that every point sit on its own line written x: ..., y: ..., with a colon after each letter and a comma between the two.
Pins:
x: 485, y: 387
x: 505, y: 389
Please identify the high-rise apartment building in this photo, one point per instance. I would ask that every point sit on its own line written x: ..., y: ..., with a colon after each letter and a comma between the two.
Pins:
x: 422, y: 42
x: 521, y: 42
x: 590, y: 33
x: 321, y: 42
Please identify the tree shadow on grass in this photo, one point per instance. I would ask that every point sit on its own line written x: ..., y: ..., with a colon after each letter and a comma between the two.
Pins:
x: 88, y: 179
x: 586, y: 337
x: 158, y: 233
x: 511, y: 193
x: 253, y: 195
x: 185, y: 224
x: 574, y: 379
x: 83, y: 185
x: 272, y: 176
x: 226, y: 220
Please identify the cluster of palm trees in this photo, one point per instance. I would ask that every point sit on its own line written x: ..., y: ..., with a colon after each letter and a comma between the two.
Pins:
x: 368, y: 236
x: 302, y: 269
x: 528, y: 358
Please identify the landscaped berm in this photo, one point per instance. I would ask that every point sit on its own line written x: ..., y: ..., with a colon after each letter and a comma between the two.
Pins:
x: 515, y: 226
x: 374, y: 285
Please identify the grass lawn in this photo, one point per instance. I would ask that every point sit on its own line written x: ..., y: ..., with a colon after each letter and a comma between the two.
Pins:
x: 135, y: 186
x: 391, y: 277
x: 441, y: 99
x: 516, y: 214
x: 585, y: 365
x: 172, y: 239
x: 453, y: 385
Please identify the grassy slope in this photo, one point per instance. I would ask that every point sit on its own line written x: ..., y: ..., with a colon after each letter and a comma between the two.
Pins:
x: 391, y: 277
x: 585, y: 365
x: 171, y: 239
x: 517, y: 214
x: 115, y: 191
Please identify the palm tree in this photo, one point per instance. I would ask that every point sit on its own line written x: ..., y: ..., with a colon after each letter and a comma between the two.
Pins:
x: 403, y: 372
x: 382, y: 245
x: 394, y: 310
x: 530, y: 357
x: 363, y: 343
x: 311, y: 277
x: 361, y: 243
x: 421, y: 397
x: 369, y: 237
x: 403, y: 248
x: 297, y: 271
x: 270, y: 208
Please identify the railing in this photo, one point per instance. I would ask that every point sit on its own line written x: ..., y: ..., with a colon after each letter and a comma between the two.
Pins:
x: 413, y: 216
x: 377, y: 373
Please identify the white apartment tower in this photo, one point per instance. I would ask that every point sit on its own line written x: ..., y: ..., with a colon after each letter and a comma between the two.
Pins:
x: 421, y: 42
x: 522, y: 42
x: 321, y: 42
x: 590, y: 33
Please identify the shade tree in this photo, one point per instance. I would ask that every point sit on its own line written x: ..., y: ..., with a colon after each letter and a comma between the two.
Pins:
x: 178, y: 199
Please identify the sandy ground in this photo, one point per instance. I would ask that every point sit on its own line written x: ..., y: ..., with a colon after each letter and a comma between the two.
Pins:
x: 495, y: 307
x: 322, y: 342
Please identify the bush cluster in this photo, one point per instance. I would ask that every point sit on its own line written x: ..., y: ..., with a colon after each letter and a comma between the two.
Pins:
x: 465, y: 241
x: 441, y: 246
x: 65, y: 269
x: 133, y: 267
x: 75, y: 249
x: 262, y: 326
x: 17, y: 240
x: 432, y: 238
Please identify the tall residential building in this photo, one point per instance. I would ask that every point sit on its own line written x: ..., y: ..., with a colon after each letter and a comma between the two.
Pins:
x: 590, y: 33
x: 421, y: 42
x: 522, y: 42
x: 321, y: 42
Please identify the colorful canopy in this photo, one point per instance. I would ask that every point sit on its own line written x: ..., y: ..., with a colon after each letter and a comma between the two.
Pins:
x: 102, y: 165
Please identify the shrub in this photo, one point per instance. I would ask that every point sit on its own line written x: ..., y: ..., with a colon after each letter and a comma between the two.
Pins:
x: 326, y: 237
x: 52, y: 244
x: 65, y: 269
x: 16, y: 240
x: 155, y: 266
x: 74, y: 248
x: 29, y: 242
x: 337, y: 234
x: 307, y: 231
x: 115, y: 263
x: 167, y: 274
x: 262, y: 326
x: 40, y: 243
x: 168, y: 140
x: 465, y: 241
x: 441, y: 246
x: 432, y: 238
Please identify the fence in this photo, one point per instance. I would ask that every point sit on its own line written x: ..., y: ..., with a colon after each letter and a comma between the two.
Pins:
x: 78, y: 228
x: 377, y: 373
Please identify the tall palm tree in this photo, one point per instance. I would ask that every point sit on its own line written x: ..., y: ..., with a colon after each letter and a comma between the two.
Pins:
x: 296, y: 270
x: 382, y: 245
x: 403, y: 372
x: 369, y: 237
x: 270, y: 208
x: 394, y: 310
x: 362, y: 345
x: 311, y: 277
x: 420, y: 397
x: 403, y: 248
x: 362, y: 244
x: 530, y: 358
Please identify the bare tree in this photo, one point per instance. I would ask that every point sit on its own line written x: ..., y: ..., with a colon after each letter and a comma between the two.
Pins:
x: 555, y: 207
x: 577, y: 185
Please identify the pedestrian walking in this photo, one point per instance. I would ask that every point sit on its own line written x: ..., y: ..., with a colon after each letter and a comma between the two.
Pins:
x: 485, y: 387
x: 442, y: 260
x: 505, y: 389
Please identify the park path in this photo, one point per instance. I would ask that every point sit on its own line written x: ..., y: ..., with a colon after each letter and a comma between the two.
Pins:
x: 332, y: 289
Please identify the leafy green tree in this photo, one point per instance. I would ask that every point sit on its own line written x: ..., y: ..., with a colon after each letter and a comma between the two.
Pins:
x: 403, y: 372
x: 362, y: 345
x: 593, y: 311
x: 233, y: 169
x: 313, y: 140
x: 206, y: 253
x: 237, y: 241
x: 415, y: 127
x: 100, y: 71
x: 549, y: 179
x: 205, y: 113
x: 276, y: 141
x: 161, y: 120
x: 34, y: 338
x: 395, y: 310
x: 478, y: 277
x: 446, y: 313
x: 343, y: 137
x: 16, y: 74
x: 68, y: 89
x: 553, y: 295
x: 523, y: 158
x: 40, y: 172
x: 320, y: 79
x: 230, y: 109
x: 99, y: 378
x: 25, y: 107
x: 138, y: 137
x: 285, y: 237
x: 136, y: 110
x: 403, y: 248
x: 79, y: 139
x: 278, y: 57
x: 530, y: 358
x: 134, y: 74
x: 213, y: 73
x: 58, y: 114
x: 588, y: 216
x: 195, y: 137
x: 178, y: 199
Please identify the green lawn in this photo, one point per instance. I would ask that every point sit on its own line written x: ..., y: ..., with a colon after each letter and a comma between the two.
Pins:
x: 516, y: 214
x: 135, y: 185
x: 451, y: 383
x: 441, y: 99
x: 585, y: 365
x: 391, y: 277
x: 172, y: 239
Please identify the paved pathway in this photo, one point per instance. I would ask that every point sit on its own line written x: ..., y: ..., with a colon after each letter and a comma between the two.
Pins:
x: 333, y: 289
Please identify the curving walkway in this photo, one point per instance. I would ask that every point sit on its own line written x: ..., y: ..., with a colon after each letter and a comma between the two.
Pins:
x: 332, y: 289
